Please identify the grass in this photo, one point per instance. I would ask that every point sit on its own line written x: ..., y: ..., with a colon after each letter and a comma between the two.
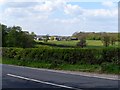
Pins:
x: 83, y: 68
x: 90, y: 44
x: 25, y: 63
x: 69, y: 43
x: 106, y: 68
x: 0, y: 59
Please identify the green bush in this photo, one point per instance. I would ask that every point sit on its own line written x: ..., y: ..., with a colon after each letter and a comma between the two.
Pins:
x: 71, y: 56
x: 111, y: 55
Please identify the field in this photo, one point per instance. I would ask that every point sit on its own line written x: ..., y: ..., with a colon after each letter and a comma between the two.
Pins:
x: 90, y: 43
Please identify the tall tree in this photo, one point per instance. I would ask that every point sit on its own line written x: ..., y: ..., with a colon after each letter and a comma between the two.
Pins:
x: 15, y: 37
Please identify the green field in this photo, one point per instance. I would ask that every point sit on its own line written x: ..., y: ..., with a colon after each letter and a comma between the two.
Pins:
x: 90, y: 43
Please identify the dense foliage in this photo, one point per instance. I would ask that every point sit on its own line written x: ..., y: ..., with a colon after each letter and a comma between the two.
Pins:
x: 71, y: 56
x: 15, y: 37
x: 96, y: 36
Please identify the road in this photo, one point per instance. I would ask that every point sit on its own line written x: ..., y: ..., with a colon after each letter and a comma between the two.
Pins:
x: 16, y: 77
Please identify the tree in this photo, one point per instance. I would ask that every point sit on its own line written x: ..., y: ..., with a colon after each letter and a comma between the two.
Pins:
x: 106, y: 40
x: 82, y: 43
x: 52, y: 38
x: 112, y: 40
x: 15, y: 37
x: 46, y: 38
x: 4, y: 31
x: 33, y: 34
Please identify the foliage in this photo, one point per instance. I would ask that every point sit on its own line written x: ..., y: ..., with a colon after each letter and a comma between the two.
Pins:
x: 71, y: 56
x: 95, y: 36
x: 52, y: 38
x: 106, y: 40
x: 15, y: 37
x: 110, y: 68
x: 46, y: 38
x: 82, y: 43
x: 113, y: 40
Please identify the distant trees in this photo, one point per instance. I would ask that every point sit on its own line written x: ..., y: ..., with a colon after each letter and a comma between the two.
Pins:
x: 46, y: 38
x: 80, y: 35
x: 106, y: 40
x: 15, y: 37
x: 112, y: 40
x: 95, y: 36
x: 82, y: 43
x: 52, y: 38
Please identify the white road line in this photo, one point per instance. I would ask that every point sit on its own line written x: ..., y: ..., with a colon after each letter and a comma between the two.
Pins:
x: 82, y: 74
x: 34, y: 80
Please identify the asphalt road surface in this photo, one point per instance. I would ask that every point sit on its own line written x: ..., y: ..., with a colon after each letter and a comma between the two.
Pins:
x: 15, y: 78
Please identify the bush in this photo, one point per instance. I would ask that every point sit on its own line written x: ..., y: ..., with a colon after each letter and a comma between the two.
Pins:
x: 82, y: 43
x: 71, y: 56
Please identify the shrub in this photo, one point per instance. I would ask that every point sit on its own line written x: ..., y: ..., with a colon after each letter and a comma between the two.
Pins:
x: 82, y: 43
x: 71, y: 56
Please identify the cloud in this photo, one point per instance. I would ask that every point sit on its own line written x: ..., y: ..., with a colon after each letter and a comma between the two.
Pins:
x: 68, y: 21
x: 108, y: 3
x: 20, y: 4
x: 73, y: 9
x: 52, y: 17
x: 49, y: 6
x: 101, y: 12
x: 2, y: 1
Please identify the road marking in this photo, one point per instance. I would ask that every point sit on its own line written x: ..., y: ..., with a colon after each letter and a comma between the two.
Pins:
x: 72, y: 73
x: 34, y: 80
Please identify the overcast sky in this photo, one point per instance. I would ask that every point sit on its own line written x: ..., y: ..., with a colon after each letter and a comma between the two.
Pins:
x: 59, y: 17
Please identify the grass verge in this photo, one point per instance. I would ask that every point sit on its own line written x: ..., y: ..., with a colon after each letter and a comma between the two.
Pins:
x: 0, y: 59
x: 107, y: 68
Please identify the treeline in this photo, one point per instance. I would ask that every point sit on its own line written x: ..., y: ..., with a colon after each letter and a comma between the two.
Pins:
x: 106, y: 38
x: 15, y: 37
x: 96, y: 36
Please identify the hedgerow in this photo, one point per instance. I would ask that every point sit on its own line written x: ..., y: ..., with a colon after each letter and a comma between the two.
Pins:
x: 58, y: 55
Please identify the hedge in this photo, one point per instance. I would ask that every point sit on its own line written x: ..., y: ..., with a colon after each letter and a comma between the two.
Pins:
x: 64, y: 55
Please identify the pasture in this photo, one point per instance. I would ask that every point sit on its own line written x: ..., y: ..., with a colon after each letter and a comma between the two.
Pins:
x: 72, y: 43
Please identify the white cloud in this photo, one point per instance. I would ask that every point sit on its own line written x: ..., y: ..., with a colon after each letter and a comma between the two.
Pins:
x: 108, y: 3
x: 2, y: 1
x: 68, y: 21
x: 71, y: 17
x: 73, y: 9
x: 49, y: 6
x: 101, y: 12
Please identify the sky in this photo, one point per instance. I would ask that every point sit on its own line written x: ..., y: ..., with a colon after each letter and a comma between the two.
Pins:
x: 60, y: 17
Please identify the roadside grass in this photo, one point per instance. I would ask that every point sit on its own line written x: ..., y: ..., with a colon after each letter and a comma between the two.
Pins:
x: 25, y: 63
x: 0, y: 59
x: 83, y: 68
x: 105, y: 68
